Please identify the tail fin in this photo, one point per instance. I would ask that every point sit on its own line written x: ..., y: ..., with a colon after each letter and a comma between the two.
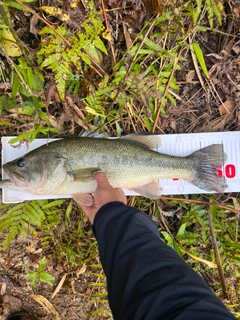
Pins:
x: 207, y: 161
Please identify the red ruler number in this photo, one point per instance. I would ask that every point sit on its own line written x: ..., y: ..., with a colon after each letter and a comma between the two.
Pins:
x: 229, y: 171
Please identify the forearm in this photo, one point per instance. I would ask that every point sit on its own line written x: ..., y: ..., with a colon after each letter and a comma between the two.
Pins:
x: 146, y: 279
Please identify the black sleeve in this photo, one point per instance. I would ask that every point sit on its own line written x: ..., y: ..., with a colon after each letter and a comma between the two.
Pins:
x: 146, y: 279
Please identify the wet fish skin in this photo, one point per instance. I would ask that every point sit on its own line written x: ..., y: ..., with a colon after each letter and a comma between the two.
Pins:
x: 66, y: 166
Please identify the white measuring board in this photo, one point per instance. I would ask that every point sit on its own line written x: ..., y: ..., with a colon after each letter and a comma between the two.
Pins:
x: 172, y: 144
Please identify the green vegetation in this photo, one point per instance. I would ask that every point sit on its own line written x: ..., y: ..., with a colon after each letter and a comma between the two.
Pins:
x: 79, y: 77
x: 40, y: 274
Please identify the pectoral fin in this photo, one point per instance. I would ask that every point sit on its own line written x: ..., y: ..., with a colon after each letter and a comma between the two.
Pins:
x: 83, y: 198
x: 83, y: 175
x: 151, y: 190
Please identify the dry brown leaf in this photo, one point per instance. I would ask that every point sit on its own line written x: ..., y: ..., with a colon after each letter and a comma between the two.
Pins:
x: 48, y: 307
x: 227, y: 107
x: 82, y: 270
x: 2, y: 262
x: 236, y: 49
x: 217, y: 124
x: 155, y: 6
x: 236, y: 203
x: 128, y: 39
x: 33, y: 247
x: 173, y: 125
x: 33, y: 24
x: 3, y: 289
x: 236, y: 11
x: 190, y: 75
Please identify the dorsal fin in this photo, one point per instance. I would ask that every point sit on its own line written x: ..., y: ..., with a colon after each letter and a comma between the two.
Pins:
x: 152, y: 141
x: 90, y: 134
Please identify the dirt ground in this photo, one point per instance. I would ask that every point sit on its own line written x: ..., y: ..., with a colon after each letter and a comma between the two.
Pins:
x: 73, y: 301
x: 199, y: 109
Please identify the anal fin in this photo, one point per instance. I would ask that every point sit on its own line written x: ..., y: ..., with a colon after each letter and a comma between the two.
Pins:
x: 151, y: 190
x: 85, y: 199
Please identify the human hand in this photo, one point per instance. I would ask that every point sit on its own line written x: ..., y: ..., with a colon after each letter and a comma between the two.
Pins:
x: 103, y: 194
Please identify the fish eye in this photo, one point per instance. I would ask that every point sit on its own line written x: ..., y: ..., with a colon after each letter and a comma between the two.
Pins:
x: 21, y: 162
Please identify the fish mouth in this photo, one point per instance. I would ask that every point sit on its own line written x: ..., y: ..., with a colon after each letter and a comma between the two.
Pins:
x: 16, y: 177
x: 19, y: 176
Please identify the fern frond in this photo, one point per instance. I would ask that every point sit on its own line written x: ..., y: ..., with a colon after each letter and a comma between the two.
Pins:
x: 25, y: 217
x: 52, y: 204
x: 85, y: 43
x: 214, y: 8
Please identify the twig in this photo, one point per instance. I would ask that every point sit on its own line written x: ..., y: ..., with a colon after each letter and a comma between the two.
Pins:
x: 107, y: 26
x: 205, y: 203
x: 166, y: 89
x: 218, y: 257
x: 131, y: 65
x: 140, y: 46
x: 59, y: 286
x: 195, y: 63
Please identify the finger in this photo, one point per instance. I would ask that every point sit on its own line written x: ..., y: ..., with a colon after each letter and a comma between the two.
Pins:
x: 101, y: 178
x: 86, y: 209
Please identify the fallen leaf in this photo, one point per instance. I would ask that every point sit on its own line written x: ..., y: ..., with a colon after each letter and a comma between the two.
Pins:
x: 208, y: 263
x: 128, y: 39
x: 33, y: 24
x: 227, y: 107
x: 155, y: 6
x: 82, y: 270
x: 236, y: 203
x: 3, y: 288
x: 236, y: 11
x: 48, y: 307
x: 236, y: 49
x: 9, y: 44
x: 173, y: 125
x: 190, y: 75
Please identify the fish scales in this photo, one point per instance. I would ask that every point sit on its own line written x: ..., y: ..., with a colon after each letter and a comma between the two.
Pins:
x: 125, y: 157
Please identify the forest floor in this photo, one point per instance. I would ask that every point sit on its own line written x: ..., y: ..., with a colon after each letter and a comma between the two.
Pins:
x: 201, y: 104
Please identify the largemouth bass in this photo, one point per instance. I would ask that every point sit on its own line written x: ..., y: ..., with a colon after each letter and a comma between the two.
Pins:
x: 66, y: 167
